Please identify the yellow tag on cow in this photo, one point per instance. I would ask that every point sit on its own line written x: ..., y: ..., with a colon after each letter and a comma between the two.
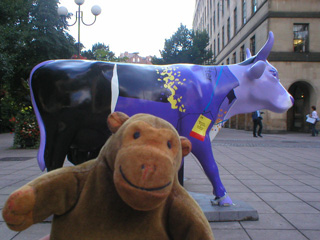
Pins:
x: 200, y: 128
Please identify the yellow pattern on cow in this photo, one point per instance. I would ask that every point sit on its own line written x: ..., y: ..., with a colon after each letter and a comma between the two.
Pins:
x: 171, y: 78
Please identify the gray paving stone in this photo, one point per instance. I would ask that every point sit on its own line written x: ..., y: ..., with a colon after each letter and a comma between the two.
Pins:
x: 310, y: 197
x: 35, y: 232
x: 304, y: 221
x: 225, y: 225
x: 8, y: 190
x: 278, y: 197
x: 258, y: 182
x: 300, y: 189
x: 311, y: 235
x: 267, y: 189
x: 3, y: 199
x: 249, y: 177
x: 292, y: 207
x: 230, y: 234
x: 238, y: 188
x: 287, y: 182
x: 261, y: 207
x: 271, y: 221
x: 315, y: 205
x: 276, y: 234
x: 5, y: 232
x: 244, y: 196
x: 1, y: 218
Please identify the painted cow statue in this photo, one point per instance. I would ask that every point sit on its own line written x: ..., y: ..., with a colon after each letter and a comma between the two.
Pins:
x: 73, y: 98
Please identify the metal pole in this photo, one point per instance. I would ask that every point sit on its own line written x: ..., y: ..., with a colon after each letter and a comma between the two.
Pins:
x: 63, y: 13
x: 79, y: 32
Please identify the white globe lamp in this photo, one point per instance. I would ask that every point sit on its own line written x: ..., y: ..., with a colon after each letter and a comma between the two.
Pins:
x: 79, y: 2
x: 62, y: 11
x: 96, y: 10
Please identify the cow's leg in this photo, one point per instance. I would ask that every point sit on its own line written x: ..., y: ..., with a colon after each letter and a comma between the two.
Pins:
x: 57, y: 146
x: 203, y: 152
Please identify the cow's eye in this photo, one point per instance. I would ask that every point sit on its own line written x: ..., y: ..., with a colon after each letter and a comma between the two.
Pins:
x: 169, y: 145
x: 136, y: 135
x: 274, y: 72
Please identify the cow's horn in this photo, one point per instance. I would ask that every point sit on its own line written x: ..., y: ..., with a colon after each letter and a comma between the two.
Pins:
x: 248, y: 53
x: 256, y: 70
x: 266, y: 49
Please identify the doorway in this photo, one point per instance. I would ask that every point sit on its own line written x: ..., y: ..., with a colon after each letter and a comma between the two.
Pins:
x: 296, y: 116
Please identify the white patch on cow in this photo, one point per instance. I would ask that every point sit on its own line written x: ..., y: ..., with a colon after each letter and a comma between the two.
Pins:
x: 114, y: 88
x: 216, y: 129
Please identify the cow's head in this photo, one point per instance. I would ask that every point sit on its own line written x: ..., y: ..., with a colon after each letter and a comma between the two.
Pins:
x: 259, y: 84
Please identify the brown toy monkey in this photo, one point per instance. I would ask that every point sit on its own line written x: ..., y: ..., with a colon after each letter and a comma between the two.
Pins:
x: 131, y: 191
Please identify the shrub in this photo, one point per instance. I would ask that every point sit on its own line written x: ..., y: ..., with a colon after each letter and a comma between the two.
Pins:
x: 26, y: 131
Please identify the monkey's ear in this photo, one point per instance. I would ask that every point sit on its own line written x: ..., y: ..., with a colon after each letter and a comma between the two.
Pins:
x: 115, y: 120
x: 185, y: 145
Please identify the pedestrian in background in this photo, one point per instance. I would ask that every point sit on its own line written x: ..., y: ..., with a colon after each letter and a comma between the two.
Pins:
x: 315, y: 116
x: 257, y: 121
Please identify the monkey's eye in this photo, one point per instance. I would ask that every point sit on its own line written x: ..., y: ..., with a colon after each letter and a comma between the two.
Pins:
x: 136, y: 135
x: 169, y: 144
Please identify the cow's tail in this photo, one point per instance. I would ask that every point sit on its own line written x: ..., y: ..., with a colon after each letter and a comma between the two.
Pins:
x: 40, y: 156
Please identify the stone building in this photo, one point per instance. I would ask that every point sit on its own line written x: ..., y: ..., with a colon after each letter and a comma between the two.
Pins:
x: 136, y: 58
x: 234, y: 25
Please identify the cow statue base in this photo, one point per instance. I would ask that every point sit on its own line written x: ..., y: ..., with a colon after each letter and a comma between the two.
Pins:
x: 131, y: 191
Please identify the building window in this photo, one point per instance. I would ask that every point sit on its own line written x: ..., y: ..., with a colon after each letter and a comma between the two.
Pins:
x: 228, y: 61
x: 218, y: 9
x: 253, y: 45
x: 214, y: 20
x: 205, y: 15
x: 301, y: 37
x: 222, y: 7
x: 214, y: 47
x: 210, y: 29
x: 228, y: 29
x: 235, y: 23
x: 254, y: 6
x: 223, y: 36
x: 234, y: 57
x: 244, y: 12
x: 242, y: 56
x: 228, y: 3
x: 218, y: 42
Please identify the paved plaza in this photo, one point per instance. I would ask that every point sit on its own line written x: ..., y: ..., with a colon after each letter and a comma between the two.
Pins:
x: 278, y: 175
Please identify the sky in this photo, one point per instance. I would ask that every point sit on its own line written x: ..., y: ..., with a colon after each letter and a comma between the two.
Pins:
x: 131, y: 25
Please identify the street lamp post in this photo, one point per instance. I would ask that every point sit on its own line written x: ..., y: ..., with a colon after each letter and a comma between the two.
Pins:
x: 63, y: 13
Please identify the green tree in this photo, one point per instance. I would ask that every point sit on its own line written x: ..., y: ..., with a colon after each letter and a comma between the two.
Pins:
x: 31, y: 32
x: 102, y: 52
x: 185, y: 46
x: 199, y: 51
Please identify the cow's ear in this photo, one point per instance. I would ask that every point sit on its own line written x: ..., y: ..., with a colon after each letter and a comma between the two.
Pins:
x: 115, y: 120
x: 256, y: 70
x: 185, y: 145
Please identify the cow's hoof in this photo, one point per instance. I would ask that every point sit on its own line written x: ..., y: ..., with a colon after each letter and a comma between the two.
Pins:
x: 224, y: 201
